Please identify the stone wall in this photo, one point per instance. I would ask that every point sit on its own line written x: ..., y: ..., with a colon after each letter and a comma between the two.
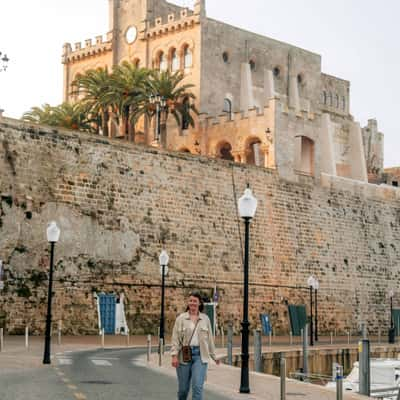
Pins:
x: 118, y: 205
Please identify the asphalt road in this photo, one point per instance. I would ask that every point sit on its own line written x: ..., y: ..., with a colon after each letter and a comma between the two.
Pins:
x: 92, y: 375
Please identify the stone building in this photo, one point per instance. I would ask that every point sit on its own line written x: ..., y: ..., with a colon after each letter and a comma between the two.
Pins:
x: 261, y: 101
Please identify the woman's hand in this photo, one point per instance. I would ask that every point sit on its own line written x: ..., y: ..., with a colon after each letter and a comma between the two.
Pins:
x: 175, y: 361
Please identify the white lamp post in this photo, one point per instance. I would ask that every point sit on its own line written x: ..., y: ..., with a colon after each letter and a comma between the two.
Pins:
x: 164, y: 259
x: 247, y: 209
x: 53, y: 235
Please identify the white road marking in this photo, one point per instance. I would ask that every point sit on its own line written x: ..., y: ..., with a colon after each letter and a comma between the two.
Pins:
x: 64, y: 361
x: 101, y: 363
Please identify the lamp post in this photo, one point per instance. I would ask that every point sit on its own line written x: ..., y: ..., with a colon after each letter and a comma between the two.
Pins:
x: 164, y: 258
x: 392, y: 330
x: 316, y: 287
x: 310, y: 283
x: 4, y: 61
x: 247, y: 210
x: 160, y: 104
x: 53, y: 235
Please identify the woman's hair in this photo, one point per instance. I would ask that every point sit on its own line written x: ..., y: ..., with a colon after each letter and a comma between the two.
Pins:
x: 198, y: 296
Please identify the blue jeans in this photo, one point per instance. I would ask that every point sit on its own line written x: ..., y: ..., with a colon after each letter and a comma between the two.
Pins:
x: 194, y: 371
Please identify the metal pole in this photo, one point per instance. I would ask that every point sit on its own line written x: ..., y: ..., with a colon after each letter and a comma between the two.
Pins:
x: 348, y: 337
x: 339, y: 382
x: 283, y: 377
x: 148, y: 347
x: 1, y: 339
x: 158, y: 122
x: 27, y: 337
x: 305, y: 349
x: 244, y: 376
x: 47, y: 343
x: 257, y: 351
x: 230, y: 344
x: 59, y: 331
x: 364, y: 368
x: 162, y: 308
x: 161, y: 352
x: 316, y: 315
x: 311, y: 318
x: 102, y: 338
x: 270, y: 338
x: 222, y: 337
x: 331, y: 338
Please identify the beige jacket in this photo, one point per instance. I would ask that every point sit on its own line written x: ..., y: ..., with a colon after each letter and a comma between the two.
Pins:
x: 183, y: 331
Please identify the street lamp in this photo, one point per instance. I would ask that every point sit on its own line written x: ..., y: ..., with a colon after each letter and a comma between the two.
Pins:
x: 4, y: 61
x: 164, y: 258
x: 311, y: 283
x: 53, y: 235
x: 160, y: 104
x: 247, y: 210
x: 392, y: 329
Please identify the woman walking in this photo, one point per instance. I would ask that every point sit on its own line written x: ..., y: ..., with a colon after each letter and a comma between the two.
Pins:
x: 192, y: 347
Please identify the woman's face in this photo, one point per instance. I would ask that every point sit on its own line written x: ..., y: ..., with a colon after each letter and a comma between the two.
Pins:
x: 194, y: 304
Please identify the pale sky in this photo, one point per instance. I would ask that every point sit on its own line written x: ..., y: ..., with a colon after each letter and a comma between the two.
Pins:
x: 359, y: 40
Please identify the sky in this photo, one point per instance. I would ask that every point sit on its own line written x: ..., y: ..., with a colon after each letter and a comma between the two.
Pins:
x: 357, y: 39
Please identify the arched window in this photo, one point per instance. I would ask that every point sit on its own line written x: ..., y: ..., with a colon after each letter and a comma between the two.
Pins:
x: 174, y: 60
x: 324, y: 97
x: 225, y: 152
x: 253, y: 152
x: 162, y: 62
x: 187, y: 57
x: 329, y: 100
x: 227, y: 106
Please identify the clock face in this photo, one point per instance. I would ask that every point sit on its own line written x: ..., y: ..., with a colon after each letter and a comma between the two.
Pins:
x: 131, y: 34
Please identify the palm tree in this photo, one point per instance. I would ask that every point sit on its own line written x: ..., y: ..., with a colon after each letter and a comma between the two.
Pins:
x: 66, y: 115
x: 92, y: 87
x: 178, y: 98
x: 127, y: 96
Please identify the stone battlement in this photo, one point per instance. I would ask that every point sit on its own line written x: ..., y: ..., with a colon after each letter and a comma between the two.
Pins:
x: 88, y: 48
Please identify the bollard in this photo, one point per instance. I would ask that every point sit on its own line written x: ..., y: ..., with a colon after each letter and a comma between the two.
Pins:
x: 148, y: 347
x: 230, y: 344
x: 1, y: 339
x: 27, y: 337
x: 331, y: 338
x: 339, y: 382
x: 102, y: 338
x: 304, y: 333
x: 59, y: 330
x: 283, y: 377
x: 290, y: 338
x: 364, y: 368
x: 257, y: 351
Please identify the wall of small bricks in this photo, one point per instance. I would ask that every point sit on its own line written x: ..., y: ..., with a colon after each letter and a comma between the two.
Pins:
x: 119, y: 204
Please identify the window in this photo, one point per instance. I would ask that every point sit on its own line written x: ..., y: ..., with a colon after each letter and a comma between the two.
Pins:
x: 252, y: 65
x: 329, y: 100
x: 337, y: 101
x: 300, y: 79
x: 187, y: 57
x: 277, y: 72
x: 395, y: 183
x: 225, y: 57
x: 253, y: 153
x: 227, y: 106
x: 225, y: 152
x: 185, y: 113
x: 324, y: 97
x: 162, y: 61
x: 174, y: 61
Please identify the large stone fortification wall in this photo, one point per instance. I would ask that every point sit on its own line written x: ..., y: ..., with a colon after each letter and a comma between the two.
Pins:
x: 119, y: 204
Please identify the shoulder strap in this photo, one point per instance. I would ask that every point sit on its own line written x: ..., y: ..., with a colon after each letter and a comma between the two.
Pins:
x: 194, y: 330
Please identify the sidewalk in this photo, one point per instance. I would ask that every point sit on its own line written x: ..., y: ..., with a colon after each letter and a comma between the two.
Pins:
x: 222, y: 379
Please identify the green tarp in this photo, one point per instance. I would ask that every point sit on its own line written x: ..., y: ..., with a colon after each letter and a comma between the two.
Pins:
x: 298, y: 318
